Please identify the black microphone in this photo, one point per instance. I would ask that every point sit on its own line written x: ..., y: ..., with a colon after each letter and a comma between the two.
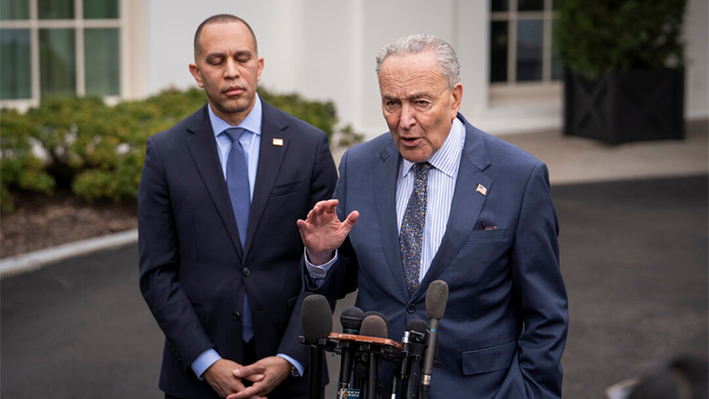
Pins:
x: 436, y: 301
x: 351, y: 320
x: 374, y: 325
x: 316, y: 322
x: 410, y: 372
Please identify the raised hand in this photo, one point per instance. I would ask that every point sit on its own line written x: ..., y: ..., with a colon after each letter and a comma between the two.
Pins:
x: 322, y: 232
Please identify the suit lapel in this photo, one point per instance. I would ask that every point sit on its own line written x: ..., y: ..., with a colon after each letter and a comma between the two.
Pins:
x: 467, y: 203
x: 385, y: 178
x: 269, y: 163
x: 203, y: 148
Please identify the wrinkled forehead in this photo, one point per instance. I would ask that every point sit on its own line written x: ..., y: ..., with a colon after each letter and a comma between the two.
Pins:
x: 410, y: 73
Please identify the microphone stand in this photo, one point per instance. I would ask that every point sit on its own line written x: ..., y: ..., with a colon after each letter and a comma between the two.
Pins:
x: 372, y: 375
x: 360, y: 372
x: 314, y: 386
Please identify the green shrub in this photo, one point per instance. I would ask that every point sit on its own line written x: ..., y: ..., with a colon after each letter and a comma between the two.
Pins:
x: 98, y: 150
x: 20, y: 169
x: 597, y: 37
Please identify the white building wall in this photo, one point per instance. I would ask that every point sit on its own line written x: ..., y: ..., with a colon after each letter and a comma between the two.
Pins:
x: 697, y: 73
x: 325, y: 50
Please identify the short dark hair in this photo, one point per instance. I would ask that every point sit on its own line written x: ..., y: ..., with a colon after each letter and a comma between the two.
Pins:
x: 220, y: 19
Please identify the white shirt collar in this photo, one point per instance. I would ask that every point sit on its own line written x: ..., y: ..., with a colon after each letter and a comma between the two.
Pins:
x: 447, y: 157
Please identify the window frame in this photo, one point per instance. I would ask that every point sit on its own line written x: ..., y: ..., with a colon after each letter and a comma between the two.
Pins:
x: 511, y: 91
x: 78, y: 24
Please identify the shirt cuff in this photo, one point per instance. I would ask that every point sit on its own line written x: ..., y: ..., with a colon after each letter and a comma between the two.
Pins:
x: 294, y: 362
x: 318, y: 272
x: 202, y: 363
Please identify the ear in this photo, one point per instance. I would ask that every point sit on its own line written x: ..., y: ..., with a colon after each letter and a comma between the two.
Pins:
x: 457, y: 94
x: 194, y: 70
x: 260, y: 68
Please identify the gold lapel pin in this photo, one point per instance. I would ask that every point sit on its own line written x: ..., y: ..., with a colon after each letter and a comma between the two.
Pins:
x: 278, y: 142
x: 481, y: 189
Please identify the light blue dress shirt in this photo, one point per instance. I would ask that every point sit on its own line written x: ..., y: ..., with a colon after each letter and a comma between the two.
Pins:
x: 441, y: 187
x: 251, y: 143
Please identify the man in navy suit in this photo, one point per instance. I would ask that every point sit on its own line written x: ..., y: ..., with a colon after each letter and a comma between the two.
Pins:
x: 438, y: 199
x: 219, y: 245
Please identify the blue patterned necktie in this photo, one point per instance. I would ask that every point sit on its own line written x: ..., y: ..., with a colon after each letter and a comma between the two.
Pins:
x: 411, y: 234
x: 237, y: 180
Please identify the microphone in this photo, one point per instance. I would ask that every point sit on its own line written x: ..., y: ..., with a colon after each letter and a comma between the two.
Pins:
x: 416, y: 334
x: 351, y: 319
x: 316, y: 322
x: 381, y: 316
x: 373, y: 325
x: 436, y: 301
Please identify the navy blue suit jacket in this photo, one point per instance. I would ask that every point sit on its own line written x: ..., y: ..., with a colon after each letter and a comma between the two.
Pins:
x: 505, y: 324
x: 193, y: 271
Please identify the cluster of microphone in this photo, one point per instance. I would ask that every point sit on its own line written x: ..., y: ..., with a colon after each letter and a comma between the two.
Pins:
x: 364, y: 344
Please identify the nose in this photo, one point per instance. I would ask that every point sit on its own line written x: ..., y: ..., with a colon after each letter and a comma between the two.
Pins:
x: 231, y: 71
x: 408, y: 116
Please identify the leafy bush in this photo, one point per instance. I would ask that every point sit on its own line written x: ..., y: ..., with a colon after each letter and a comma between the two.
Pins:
x: 98, y: 150
x: 20, y: 168
x: 597, y: 37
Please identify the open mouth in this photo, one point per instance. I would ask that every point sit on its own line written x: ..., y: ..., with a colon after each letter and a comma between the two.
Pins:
x: 410, y: 142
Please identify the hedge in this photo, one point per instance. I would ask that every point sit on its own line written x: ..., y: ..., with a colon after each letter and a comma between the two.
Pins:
x: 597, y: 37
x: 98, y: 150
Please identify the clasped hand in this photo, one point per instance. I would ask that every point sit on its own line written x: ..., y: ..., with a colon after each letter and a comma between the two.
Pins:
x: 226, y: 377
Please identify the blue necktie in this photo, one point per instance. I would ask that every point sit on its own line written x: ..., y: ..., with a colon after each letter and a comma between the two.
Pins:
x: 411, y: 234
x: 237, y: 180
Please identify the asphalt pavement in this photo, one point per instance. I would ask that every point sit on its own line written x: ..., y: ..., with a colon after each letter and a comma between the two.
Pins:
x: 633, y: 253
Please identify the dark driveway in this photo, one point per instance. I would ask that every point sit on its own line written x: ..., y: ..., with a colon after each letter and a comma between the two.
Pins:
x: 634, y: 257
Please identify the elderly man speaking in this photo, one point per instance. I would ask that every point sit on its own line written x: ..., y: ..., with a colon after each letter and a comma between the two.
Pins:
x: 438, y: 199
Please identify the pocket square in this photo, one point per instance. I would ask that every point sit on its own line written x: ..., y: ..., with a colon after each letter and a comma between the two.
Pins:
x: 484, y: 227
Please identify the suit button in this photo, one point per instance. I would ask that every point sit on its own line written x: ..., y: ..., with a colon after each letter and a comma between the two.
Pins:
x: 246, y: 271
x: 411, y: 309
x: 236, y: 316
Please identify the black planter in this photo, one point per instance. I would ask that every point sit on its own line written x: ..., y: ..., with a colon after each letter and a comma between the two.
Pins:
x: 625, y: 106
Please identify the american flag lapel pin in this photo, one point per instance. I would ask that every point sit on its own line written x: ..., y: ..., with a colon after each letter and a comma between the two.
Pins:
x: 481, y: 189
x: 278, y: 142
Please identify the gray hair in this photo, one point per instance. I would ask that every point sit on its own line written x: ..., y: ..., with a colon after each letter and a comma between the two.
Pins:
x: 421, y: 43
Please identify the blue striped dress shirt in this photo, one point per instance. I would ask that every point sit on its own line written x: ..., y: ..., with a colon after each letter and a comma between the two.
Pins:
x: 441, y: 187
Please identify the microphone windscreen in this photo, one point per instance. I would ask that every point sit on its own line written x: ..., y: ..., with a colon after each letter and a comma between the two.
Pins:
x: 315, y: 318
x: 380, y: 314
x: 436, y: 299
x: 351, y: 320
x: 374, y: 326
x: 417, y: 325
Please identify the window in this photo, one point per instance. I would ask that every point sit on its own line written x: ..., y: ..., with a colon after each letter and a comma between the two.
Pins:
x: 59, y: 47
x: 521, y: 43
